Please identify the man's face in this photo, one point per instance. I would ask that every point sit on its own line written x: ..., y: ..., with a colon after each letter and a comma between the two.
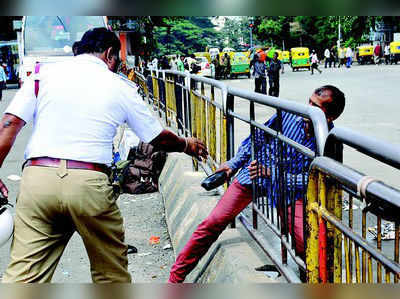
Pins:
x: 320, y: 101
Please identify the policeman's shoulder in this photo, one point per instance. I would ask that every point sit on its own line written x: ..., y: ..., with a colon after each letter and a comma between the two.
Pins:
x: 123, y: 80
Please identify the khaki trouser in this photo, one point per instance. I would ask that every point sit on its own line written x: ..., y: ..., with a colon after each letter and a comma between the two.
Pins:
x: 52, y: 204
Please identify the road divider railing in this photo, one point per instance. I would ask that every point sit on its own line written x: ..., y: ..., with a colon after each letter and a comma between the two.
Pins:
x: 346, y: 242
x: 298, y: 199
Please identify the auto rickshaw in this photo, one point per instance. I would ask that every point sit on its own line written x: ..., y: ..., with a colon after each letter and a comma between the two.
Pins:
x: 300, y: 58
x: 394, y: 52
x: 365, y: 54
x: 240, y: 64
x: 285, y: 57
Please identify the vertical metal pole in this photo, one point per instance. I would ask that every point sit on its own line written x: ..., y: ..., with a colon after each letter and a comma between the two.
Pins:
x: 230, y: 129
x: 253, y: 145
x: 312, y: 261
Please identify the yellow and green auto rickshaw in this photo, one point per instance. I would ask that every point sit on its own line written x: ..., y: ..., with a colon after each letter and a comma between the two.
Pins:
x: 300, y: 58
x: 365, y: 54
x: 240, y: 64
x: 394, y: 52
x: 285, y: 57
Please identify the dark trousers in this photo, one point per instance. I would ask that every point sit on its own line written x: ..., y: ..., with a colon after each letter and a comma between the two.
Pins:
x: 274, y: 88
x: 314, y: 66
x: 260, y: 85
x: 1, y: 93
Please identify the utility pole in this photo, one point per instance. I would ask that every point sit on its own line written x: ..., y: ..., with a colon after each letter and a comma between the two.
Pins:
x: 339, y: 35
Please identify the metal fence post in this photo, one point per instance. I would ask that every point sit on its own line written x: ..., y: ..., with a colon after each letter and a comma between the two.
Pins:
x: 312, y: 262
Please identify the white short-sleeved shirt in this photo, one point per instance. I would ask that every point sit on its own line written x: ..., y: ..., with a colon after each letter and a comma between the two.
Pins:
x: 78, y: 109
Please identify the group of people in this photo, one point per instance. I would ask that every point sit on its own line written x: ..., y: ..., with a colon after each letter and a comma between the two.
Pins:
x: 344, y: 58
x: 263, y: 67
x: 222, y: 66
x: 66, y: 185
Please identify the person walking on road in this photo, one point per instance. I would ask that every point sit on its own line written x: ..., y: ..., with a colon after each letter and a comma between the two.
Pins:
x: 260, y: 80
x: 3, y: 80
x: 387, y: 54
x: 349, y: 57
x: 327, y: 55
x: 65, y: 184
x: 239, y: 194
x: 377, y: 54
x: 341, y: 57
x: 314, y: 62
x: 273, y: 70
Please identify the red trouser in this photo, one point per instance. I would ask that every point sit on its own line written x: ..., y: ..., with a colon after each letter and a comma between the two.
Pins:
x: 234, y: 200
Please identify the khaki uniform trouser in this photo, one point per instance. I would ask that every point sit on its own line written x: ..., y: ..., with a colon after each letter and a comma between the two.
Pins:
x: 52, y: 204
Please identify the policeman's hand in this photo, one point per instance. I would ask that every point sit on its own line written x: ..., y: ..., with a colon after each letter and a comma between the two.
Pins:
x: 225, y: 167
x: 262, y: 170
x: 3, y: 190
x: 195, y: 148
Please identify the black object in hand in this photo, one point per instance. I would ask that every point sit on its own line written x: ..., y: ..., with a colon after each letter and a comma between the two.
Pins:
x: 213, y: 181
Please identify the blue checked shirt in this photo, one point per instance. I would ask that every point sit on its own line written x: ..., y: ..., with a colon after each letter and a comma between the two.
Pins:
x: 296, y: 165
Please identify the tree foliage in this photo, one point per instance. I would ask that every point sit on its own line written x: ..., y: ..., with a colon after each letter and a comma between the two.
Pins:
x: 185, y: 36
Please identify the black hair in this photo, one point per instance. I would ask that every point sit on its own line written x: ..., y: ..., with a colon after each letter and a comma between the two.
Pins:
x: 75, y: 48
x: 336, y: 107
x: 98, y: 40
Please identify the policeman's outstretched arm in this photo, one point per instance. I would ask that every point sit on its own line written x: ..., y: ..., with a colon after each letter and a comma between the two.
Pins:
x: 170, y: 142
x: 10, y: 126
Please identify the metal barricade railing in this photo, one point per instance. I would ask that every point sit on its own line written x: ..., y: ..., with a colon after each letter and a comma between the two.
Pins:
x: 338, y: 249
x: 192, y: 105
x: 276, y: 146
x: 324, y: 242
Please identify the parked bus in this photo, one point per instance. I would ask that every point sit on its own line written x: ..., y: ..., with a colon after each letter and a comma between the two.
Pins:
x: 48, y: 39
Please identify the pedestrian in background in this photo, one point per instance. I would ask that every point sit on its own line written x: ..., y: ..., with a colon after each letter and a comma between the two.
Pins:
x: 349, y: 57
x: 314, y: 62
x: 333, y: 56
x: 273, y: 70
x: 3, y: 80
x: 180, y: 64
x: 341, y: 57
x: 387, y: 53
x: 65, y: 186
x: 377, y: 53
x: 259, y: 71
x: 327, y: 55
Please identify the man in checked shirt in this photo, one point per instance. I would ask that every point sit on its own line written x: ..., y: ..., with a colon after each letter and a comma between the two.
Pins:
x: 239, y: 194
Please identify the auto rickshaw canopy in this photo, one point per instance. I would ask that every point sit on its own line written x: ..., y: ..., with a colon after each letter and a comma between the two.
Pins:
x: 395, y: 47
x: 365, y: 50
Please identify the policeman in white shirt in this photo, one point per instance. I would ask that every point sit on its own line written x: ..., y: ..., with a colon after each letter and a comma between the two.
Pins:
x: 76, y: 107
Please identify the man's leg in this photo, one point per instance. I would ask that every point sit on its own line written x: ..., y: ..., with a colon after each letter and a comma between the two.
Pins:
x: 235, y: 199
x: 271, y: 91
x: 263, y: 85
x: 257, y: 83
x: 276, y: 85
x: 92, y: 206
x: 41, y: 230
